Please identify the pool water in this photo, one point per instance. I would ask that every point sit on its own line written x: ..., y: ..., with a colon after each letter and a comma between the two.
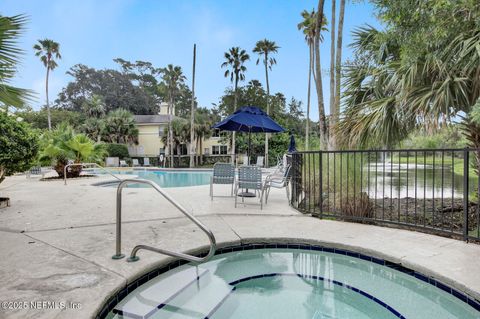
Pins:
x: 289, y: 283
x: 169, y: 178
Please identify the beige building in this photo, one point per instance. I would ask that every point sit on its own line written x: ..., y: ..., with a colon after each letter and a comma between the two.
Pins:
x: 151, y: 129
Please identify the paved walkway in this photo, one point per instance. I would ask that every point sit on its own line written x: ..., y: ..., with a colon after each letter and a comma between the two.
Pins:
x: 57, y: 241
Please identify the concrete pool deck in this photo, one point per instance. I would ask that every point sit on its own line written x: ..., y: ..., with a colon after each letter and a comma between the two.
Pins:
x: 57, y: 240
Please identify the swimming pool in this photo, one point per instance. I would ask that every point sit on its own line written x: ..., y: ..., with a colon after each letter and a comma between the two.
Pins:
x: 166, y: 178
x: 311, y: 282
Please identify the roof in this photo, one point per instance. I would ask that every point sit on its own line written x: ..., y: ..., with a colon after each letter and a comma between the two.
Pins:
x: 152, y: 119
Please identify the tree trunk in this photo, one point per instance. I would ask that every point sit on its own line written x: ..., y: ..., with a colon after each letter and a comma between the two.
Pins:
x: 201, y: 150
x: 267, y: 136
x: 322, y: 121
x: 334, y: 116
x: 3, y: 173
x: 179, y: 152
x: 307, y: 126
x: 170, y: 133
x: 338, y: 73
x: 48, y: 104
x: 192, y: 112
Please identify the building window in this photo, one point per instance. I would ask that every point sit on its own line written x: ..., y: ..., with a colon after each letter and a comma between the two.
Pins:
x: 206, y: 151
x: 216, y: 133
x: 219, y: 149
x: 161, y: 131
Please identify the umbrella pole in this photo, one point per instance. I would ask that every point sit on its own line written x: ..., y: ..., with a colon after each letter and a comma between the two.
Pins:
x: 249, y: 145
x: 247, y: 193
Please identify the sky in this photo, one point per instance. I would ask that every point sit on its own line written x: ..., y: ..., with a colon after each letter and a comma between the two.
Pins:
x: 95, y: 32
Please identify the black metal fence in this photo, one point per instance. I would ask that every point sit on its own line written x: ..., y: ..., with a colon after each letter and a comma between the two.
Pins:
x: 432, y: 190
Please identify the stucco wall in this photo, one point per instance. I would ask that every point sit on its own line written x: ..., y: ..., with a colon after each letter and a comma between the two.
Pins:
x: 150, y: 142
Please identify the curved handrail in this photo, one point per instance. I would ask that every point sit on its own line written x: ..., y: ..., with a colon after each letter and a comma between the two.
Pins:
x: 85, y: 164
x: 133, y: 254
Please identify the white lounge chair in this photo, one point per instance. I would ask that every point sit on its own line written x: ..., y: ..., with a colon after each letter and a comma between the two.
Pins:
x: 135, y: 162
x: 260, y: 161
x: 37, y: 170
x: 123, y: 163
x: 279, y: 179
x: 146, y: 161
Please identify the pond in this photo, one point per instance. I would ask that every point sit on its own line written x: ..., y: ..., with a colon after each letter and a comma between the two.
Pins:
x: 394, y: 180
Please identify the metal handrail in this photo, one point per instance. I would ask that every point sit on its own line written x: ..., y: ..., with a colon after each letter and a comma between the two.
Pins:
x: 133, y: 254
x: 84, y: 165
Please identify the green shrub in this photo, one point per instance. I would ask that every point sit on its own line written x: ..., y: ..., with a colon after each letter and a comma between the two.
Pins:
x: 445, y: 137
x: 18, y: 146
x: 117, y: 150
x: 63, y: 144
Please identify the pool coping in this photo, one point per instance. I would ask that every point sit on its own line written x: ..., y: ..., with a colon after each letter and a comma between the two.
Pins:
x: 281, y: 243
x: 450, y: 261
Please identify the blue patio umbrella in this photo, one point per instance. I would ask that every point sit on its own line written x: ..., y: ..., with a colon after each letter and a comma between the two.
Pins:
x: 291, y: 147
x: 249, y: 119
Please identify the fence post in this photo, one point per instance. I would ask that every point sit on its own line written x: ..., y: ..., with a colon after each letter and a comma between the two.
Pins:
x: 293, y: 180
x: 466, y: 163
x: 321, y: 184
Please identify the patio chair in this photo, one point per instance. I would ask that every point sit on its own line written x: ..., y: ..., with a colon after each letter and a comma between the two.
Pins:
x: 123, y: 163
x: 36, y: 170
x: 280, y: 179
x: 135, y: 162
x: 223, y: 173
x: 245, y: 160
x: 146, y: 161
x: 249, y: 178
x: 260, y: 161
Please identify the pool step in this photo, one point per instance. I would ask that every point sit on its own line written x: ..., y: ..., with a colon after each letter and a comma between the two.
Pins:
x: 190, y: 292
x: 197, y: 301
x: 157, y: 292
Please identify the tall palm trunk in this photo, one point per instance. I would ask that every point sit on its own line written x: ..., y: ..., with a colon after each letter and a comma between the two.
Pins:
x: 192, y: 112
x: 322, y: 121
x: 307, y: 126
x: 48, y: 103
x: 170, y: 131
x: 267, y: 136
x: 201, y: 150
x: 338, y: 72
x: 235, y: 108
x: 333, y: 110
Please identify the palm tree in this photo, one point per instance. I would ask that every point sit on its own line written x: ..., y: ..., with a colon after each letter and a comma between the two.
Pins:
x: 48, y: 50
x: 63, y: 144
x: 335, y: 107
x: 94, y: 107
x: 235, y: 59
x: 332, y: 68
x: 322, y: 120
x: 120, y: 127
x: 93, y: 127
x: 192, y: 111
x: 173, y: 78
x: 374, y: 116
x: 202, y: 131
x: 307, y: 25
x: 265, y: 48
x: 10, y: 29
x: 385, y: 97
x: 180, y: 135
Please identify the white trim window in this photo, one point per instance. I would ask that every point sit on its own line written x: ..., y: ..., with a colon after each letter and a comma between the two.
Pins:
x: 217, y: 133
x: 219, y: 150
